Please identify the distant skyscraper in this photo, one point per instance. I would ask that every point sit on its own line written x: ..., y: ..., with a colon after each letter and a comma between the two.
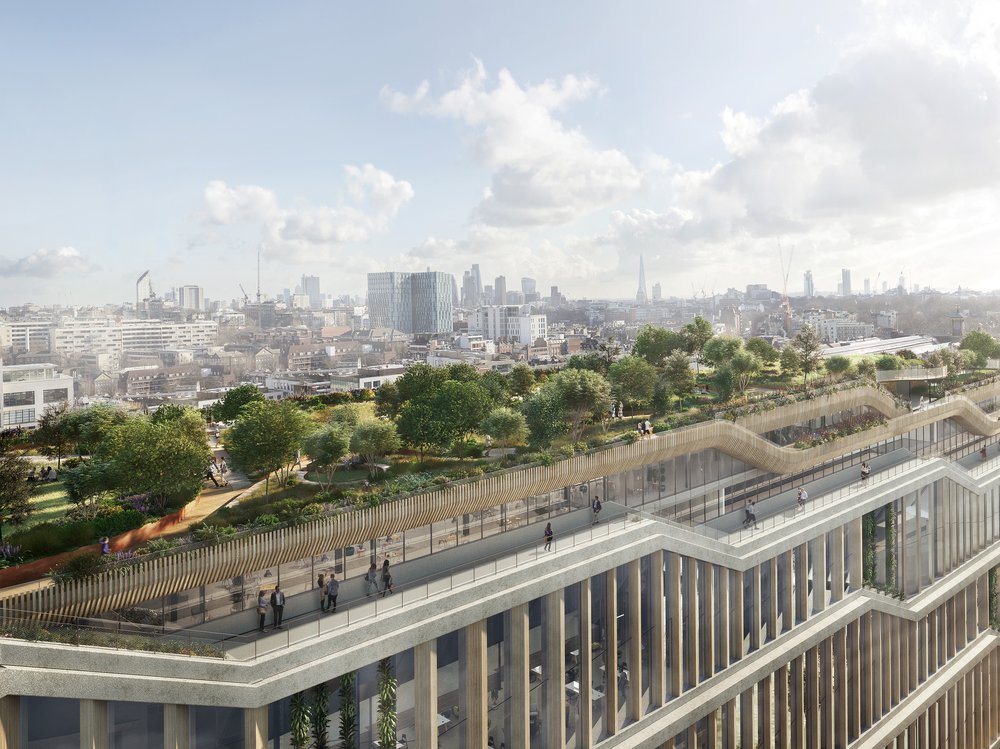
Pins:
x: 310, y: 287
x: 640, y: 295
x: 868, y: 286
x: 470, y: 294
x: 657, y: 292
x: 807, y: 285
x: 845, y: 281
x: 410, y: 302
x: 500, y: 290
x: 191, y: 297
x: 530, y: 290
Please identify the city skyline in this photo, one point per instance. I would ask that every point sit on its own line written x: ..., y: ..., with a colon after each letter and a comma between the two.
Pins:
x: 862, y: 136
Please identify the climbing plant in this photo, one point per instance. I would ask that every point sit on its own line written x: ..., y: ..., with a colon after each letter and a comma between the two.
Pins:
x: 348, y: 711
x: 868, y: 559
x: 994, y: 599
x: 300, y: 721
x: 386, y: 705
x: 320, y: 708
x: 891, y: 560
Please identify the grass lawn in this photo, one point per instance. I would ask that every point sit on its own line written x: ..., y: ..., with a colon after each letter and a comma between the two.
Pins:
x: 50, y: 502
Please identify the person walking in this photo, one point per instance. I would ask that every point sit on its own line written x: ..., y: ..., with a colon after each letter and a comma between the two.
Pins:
x: 321, y: 584
x: 386, y: 579
x: 332, y: 591
x: 548, y: 536
x: 752, y: 508
x: 223, y: 470
x: 595, y: 506
x: 648, y: 428
x: 277, y: 605
x: 371, y: 581
x: 261, y: 609
x: 210, y: 474
x: 866, y: 471
x: 802, y: 496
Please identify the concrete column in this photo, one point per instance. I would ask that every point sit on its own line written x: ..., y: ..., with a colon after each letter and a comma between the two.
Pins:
x: 798, y: 720
x: 10, y: 722
x: 857, y: 554
x: 876, y: 655
x: 836, y: 564
x: 788, y: 584
x: 736, y: 643
x: 814, y: 736
x: 674, y: 623
x: 941, y: 721
x: 176, y: 727
x: 827, y: 672
x: 634, y: 696
x: 729, y: 725
x: 983, y: 601
x: 425, y: 691
x: 889, y: 663
x: 920, y: 558
x: 914, y: 653
x: 854, y: 679
x: 554, y: 669
x: 755, y: 607
x: 802, y: 583
x: 725, y: 618
x: 841, y: 703
x: 611, y: 659
x: 691, y: 607
x: 748, y: 722
x: 255, y: 733
x: 764, y: 712
x: 93, y: 724
x: 658, y: 633
x: 475, y: 684
x: 961, y: 714
x: 707, y: 627
x: 712, y: 729
x: 819, y: 573
x: 587, y: 667
x: 781, y: 734
x: 771, y: 610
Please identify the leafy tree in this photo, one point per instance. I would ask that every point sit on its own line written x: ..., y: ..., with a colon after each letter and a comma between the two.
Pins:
x: 89, y: 427
x: 420, y: 428
x: 888, y: 363
x: 654, y: 344
x: 744, y: 366
x: 764, y: 351
x: 522, y: 380
x: 838, y: 365
x: 807, y: 345
x: 417, y: 380
x: 88, y: 483
x: 981, y: 343
x: 545, y: 416
x: 53, y: 435
x: 725, y: 382
x: 677, y: 370
x: 326, y: 448
x: 907, y: 354
x: 506, y: 426
x: 584, y: 395
x: 388, y: 401
x: 696, y: 335
x: 497, y: 386
x: 168, y: 412
x: 970, y: 359
x: 633, y: 380
x: 265, y: 437
x: 350, y: 414
x: 460, y: 407
x: 590, y: 360
x: 610, y: 350
x: 791, y: 364
x: 235, y: 400
x: 866, y: 369
x: 15, y: 491
x: 373, y: 440
x: 720, y: 349
x: 663, y: 395
x: 461, y: 372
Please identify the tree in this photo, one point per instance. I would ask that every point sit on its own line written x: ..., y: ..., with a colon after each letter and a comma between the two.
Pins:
x: 505, y: 426
x: 725, y: 382
x: 373, y: 440
x: 461, y: 372
x: 88, y: 483
x: 545, y: 416
x: 350, y: 414
x: 15, y: 491
x: 420, y: 428
x: 791, y: 365
x: 265, y: 437
x: 326, y: 448
x: 662, y: 395
x: 633, y: 380
x: 764, y: 351
x: 89, y: 427
x: 460, y: 407
x: 720, y: 349
x: 654, y: 344
x: 497, y: 386
x: 388, y: 400
x: 590, y: 360
x: 888, y: 363
x: 981, y: 343
x: 744, y: 366
x: 696, y: 335
x: 235, y: 400
x: 53, y: 434
x: 866, y: 369
x: 168, y: 412
x: 584, y: 395
x: 969, y: 359
x: 806, y: 344
x: 838, y: 365
x: 522, y: 380
x: 418, y: 380
x: 677, y: 370
x: 610, y: 350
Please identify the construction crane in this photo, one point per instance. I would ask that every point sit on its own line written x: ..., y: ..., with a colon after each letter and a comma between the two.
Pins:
x: 786, y: 268
x: 137, y: 282
x: 246, y: 297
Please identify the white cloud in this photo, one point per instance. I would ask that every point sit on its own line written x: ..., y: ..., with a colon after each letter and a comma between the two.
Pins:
x: 544, y: 172
x: 373, y: 197
x: 46, y: 263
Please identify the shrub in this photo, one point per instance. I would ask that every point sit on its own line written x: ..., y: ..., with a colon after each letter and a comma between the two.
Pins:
x: 155, y: 545
x: 79, y: 567
x: 118, y: 522
x: 214, y: 534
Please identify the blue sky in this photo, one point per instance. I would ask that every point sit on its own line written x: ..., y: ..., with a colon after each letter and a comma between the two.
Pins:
x: 556, y: 140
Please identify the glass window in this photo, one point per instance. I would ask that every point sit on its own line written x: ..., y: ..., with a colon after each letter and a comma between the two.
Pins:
x: 50, y: 723
x: 10, y: 400
x: 216, y: 727
x: 56, y: 395
x: 135, y: 725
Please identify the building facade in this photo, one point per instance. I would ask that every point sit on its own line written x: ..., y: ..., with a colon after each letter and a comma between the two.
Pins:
x: 411, y: 302
x: 27, y: 390
x: 865, y: 618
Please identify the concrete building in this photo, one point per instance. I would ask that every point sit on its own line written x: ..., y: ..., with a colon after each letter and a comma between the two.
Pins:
x: 508, y: 323
x: 410, y: 302
x: 26, y: 390
x: 864, y: 619
x: 109, y: 334
x: 845, y: 281
x: 191, y: 298
x: 808, y: 288
x: 310, y: 287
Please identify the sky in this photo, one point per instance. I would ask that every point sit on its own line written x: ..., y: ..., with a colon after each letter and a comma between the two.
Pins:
x: 725, y: 142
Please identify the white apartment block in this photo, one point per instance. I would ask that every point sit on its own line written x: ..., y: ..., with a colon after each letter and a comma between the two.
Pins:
x: 509, y: 323
x: 28, y: 389
x: 114, y: 335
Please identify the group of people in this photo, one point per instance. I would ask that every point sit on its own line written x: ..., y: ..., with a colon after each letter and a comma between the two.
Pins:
x: 644, y: 428
x: 372, y: 580
x: 216, y: 470
x: 750, y: 515
x: 48, y: 473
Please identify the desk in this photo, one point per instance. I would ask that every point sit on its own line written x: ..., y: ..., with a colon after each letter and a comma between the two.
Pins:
x: 573, y: 687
